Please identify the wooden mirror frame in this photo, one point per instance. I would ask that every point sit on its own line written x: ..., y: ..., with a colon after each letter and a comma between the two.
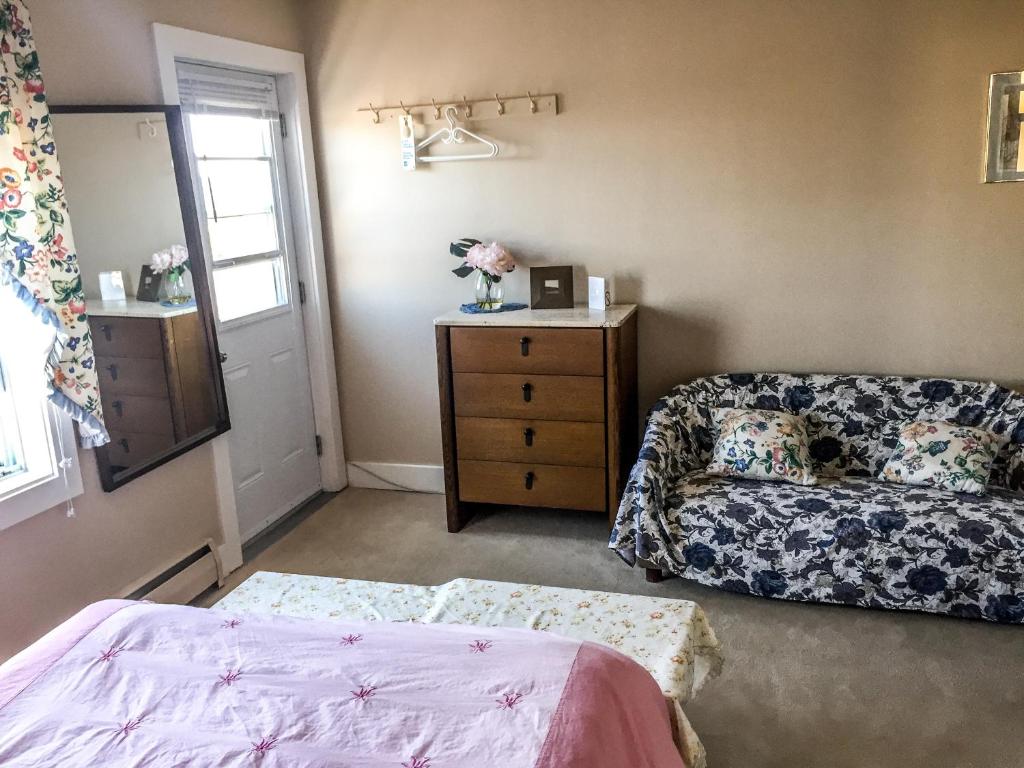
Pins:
x: 200, y: 283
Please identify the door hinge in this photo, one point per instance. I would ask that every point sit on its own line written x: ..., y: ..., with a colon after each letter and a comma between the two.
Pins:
x: 319, y: 446
x: 284, y: 127
x: 302, y: 292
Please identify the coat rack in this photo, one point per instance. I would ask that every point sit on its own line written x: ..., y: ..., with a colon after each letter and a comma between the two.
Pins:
x: 538, y: 102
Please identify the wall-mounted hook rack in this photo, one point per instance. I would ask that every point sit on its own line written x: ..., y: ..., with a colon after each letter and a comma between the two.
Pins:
x: 538, y: 102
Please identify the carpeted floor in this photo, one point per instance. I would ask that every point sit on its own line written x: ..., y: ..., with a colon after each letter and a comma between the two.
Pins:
x: 804, y: 685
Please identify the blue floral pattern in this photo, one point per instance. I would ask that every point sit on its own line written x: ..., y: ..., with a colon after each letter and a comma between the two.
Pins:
x: 851, y: 539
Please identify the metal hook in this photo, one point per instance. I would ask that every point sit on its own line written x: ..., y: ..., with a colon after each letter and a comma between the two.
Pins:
x: 468, y: 106
x: 151, y: 128
x: 404, y: 108
x: 533, y: 103
x: 437, y: 109
x: 376, y: 113
x: 501, y: 104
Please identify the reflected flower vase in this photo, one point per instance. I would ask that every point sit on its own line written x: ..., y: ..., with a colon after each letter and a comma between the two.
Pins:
x: 490, y: 292
x: 175, y: 287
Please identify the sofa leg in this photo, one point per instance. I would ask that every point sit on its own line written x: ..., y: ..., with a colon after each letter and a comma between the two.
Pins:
x: 654, y: 575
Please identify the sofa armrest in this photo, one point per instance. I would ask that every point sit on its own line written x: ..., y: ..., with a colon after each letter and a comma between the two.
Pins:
x: 676, y: 441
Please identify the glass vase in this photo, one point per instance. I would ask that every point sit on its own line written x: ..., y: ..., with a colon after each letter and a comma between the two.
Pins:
x: 176, y: 292
x: 490, y: 293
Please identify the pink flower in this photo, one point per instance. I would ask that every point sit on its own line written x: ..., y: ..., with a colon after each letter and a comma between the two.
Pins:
x: 230, y: 623
x: 479, y: 646
x: 417, y: 762
x: 229, y: 677
x: 263, y: 746
x: 509, y: 700
x: 111, y: 653
x: 350, y: 639
x: 129, y: 725
x: 365, y: 692
x: 493, y: 259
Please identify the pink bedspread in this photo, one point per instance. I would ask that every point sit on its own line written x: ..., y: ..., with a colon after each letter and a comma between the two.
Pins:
x: 138, y: 684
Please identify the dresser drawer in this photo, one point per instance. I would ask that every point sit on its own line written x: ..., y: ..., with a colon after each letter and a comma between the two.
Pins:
x: 566, y: 351
x: 132, y: 413
x: 574, y: 443
x: 132, y: 376
x: 126, y: 337
x: 532, y: 485
x: 517, y: 396
x: 128, y: 449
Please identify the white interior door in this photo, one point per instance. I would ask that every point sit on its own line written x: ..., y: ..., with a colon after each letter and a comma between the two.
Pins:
x: 235, y: 142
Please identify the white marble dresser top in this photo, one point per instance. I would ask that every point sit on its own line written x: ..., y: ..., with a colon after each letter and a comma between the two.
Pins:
x: 577, y: 317
x: 134, y: 308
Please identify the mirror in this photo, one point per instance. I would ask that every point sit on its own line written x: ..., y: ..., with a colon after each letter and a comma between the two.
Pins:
x: 133, y: 217
x: 1004, y: 160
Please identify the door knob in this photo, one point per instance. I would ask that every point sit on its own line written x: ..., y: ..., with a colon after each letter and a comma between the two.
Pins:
x: 118, y: 407
x: 529, y: 480
x: 528, y: 436
x: 524, y: 346
x: 106, y: 331
x: 527, y: 392
x: 113, y: 371
x: 223, y: 356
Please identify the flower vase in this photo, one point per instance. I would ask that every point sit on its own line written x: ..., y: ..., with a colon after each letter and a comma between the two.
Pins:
x: 176, y: 293
x: 490, y: 292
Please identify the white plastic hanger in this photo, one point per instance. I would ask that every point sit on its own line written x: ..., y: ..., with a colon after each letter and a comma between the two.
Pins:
x: 454, y: 134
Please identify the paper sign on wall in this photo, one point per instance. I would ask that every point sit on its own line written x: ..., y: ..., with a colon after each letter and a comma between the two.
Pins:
x: 408, y: 139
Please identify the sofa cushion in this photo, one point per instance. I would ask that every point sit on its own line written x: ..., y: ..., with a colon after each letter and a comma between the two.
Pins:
x: 942, y: 455
x: 761, y: 445
x: 846, y: 540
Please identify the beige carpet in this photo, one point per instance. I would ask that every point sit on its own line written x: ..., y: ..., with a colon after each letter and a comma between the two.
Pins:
x: 804, y: 685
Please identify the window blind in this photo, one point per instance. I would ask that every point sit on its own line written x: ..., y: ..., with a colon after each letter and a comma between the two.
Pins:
x: 206, y: 89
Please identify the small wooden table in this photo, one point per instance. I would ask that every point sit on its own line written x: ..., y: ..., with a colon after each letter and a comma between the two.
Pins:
x: 538, y: 408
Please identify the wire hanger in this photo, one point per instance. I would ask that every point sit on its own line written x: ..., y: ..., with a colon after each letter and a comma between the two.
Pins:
x: 454, y: 134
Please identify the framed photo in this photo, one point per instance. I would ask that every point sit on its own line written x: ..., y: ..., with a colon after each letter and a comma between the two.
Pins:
x: 149, y: 285
x: 551, y: 288
x: 1004, y: 155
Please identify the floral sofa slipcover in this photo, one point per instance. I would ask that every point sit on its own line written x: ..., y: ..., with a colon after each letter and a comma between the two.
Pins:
x: 851, y: 538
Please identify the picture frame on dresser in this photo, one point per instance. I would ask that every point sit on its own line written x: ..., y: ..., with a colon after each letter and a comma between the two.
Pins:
x: 539, y: 408
x: 169, y: 395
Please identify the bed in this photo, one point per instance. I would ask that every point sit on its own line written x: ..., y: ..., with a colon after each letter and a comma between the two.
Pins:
x: 124, y: 683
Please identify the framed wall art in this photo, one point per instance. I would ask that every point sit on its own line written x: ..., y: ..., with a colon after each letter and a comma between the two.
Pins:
x: 1004, y: 159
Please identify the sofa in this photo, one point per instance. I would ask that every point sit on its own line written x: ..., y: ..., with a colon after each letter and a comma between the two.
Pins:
x: 851, y: 538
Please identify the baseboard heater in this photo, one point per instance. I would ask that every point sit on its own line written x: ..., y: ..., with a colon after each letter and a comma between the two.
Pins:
x: 183, y: 580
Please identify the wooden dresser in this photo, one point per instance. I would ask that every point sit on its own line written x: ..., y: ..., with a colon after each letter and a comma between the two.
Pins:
x: 538, y: 408
x: 154, y: 378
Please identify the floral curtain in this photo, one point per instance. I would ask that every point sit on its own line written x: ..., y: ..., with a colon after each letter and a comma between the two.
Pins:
x: 37, y: 253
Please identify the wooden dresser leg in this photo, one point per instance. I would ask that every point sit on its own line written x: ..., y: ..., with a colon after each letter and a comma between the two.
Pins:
x: 654, y: 575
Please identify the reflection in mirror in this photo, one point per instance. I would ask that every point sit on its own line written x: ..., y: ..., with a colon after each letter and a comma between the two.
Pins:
x: 140, y: 256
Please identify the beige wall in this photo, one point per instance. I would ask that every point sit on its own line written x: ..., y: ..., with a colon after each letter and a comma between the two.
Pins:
x: 101, y: 51
x: 780, y: 185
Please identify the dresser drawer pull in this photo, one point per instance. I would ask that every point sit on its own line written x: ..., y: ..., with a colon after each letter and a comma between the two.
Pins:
x: 528, y: 436
x: 106, y: 329
x: 524, y: 346
x: 529, y: 481
x: 527, y: 392
x: 123, y: 442
x: 118, y: 407
x: 113, y: 371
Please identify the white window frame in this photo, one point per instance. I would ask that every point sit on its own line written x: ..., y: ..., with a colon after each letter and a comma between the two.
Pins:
x: 42, y: 428
x: 289, y: 68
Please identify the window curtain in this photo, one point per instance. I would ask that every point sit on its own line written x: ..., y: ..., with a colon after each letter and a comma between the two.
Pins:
x: 37, y: 253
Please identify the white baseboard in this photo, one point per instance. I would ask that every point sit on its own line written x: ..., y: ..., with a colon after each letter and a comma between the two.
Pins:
x: 425, y: 478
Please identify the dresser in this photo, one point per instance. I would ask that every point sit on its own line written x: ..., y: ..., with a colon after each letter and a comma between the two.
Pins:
x: 154, y: 376
x: 538, y: 408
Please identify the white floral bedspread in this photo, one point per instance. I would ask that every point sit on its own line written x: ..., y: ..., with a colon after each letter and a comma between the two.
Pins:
x: 671, y: 638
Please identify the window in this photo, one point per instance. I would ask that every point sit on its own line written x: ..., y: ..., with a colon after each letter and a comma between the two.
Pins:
x: 233, y: 127
x: 34, y: 435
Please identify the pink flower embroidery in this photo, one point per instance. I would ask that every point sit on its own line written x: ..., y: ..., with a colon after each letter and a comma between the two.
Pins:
x: 263, y: 746
x: 509, y: 700
x: 229, y: 677
x: 351, y: 639
x: 417, y: 762
x: 230, y: 623
x: 479, y: 646
x: 129, y: 726
x: 111, y: 652
x: 364, y: 692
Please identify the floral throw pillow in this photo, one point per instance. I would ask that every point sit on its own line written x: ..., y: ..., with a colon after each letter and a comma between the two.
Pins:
x: 943, y: 455
x: 762, y: 445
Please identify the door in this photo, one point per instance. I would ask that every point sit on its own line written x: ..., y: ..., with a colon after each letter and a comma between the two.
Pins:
x: 236, y: 147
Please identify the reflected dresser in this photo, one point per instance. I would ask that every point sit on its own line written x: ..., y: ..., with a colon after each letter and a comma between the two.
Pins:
x: 538, y: 408
x: 154, y: 378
